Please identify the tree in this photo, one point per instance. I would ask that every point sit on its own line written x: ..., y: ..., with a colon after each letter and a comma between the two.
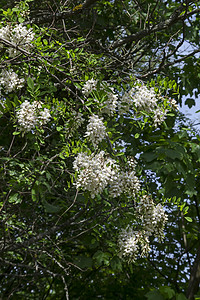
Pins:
x: 92, y: 148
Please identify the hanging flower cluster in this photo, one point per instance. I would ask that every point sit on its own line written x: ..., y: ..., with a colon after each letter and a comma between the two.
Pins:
x: 140, y: 99
x: 125, y: 182
x: 95, y: 172
x: 152, y: 219
x: 31, y: 115
x: 132, y: 244
x: 18, y: 36
x: 10, y: 81
x: 89, y: 87
x: 96, y: 130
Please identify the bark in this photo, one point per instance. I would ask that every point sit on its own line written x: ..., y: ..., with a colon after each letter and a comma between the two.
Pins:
x: 194, y: 281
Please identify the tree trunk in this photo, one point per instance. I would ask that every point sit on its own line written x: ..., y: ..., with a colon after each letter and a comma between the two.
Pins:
x: 194, y: 281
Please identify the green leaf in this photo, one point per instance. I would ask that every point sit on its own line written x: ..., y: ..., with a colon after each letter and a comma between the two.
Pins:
x: 167, y: 292
x: 30, y: 83
x: 16, y: 132
x: 116, y: 264
x: 49, y: 208
x: 149, y: 156
x: 14, y: 199
x: 190, y: 102
x: 21, y: 20
x: 33, y: 194
x: 137, y: 135
x: 181, y: 297
x: 188, y: 219
x: 154, y: 295
x: 83, y: 262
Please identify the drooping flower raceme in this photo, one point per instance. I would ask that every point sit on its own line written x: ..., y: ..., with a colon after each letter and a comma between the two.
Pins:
x: 151, y: 219
x: 159, y: 116
x: 10, y: 81
x: 109, y: 105
x: 132, y: 243
x: 31, y: 115
x: 18, y: 36
x: 89, y: 86
x: 125, y: 182
x: 144, y: 98
x: 160, y: 220
x: 94, y: 172
x: 96, y: 130
x: 125, y: 104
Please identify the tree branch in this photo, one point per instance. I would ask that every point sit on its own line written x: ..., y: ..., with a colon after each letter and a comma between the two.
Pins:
x: 174, y: 18
x: 61, y: 15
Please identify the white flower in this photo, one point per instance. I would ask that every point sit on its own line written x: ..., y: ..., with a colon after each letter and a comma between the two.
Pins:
x: 44, y: 116
x: 174, y: 104
x: 89, y: 86
x: 160, y: 221
x: 125, y: 182
x: 159, y: 116
x: 31, y: 115
x: 110, y: 104
x: 94, y: 172
x: 26, y: 116
x: 153, y: 217
x: 131, y: 243
x: 18, y: 35
x: 96, y: 130
x: 10, y: 81
x: 128, y: 243
x: 144, y: 98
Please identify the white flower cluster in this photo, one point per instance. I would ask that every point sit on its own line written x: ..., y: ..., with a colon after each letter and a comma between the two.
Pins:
x: 110, y: 104
x: 159, y: 116
x: 89, y: 86
x: 19, y: 36
x: 125, y: 182
x: 95, y: 172
x: 10, y: 81
x: 174, y: 104
x: 96, y: 130
x: 132, y: 243
x: 31, y: 115
x: 152, y: 219
x: 143, y: 99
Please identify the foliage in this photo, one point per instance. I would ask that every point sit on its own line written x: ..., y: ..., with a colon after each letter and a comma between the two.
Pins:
x: 89, y: 128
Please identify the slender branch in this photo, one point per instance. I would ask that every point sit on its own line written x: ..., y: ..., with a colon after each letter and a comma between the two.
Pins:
x: 61, y: 15
x: 174, y: 18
